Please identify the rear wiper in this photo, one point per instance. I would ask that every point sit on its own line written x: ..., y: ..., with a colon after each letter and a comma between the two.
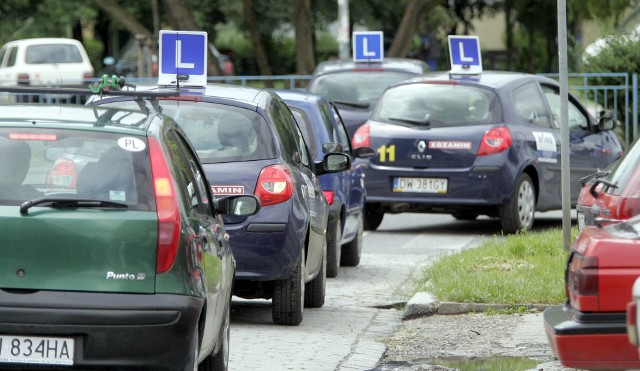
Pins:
x: 70, y: 203
x: 425, y: 122
x: 352, y: 104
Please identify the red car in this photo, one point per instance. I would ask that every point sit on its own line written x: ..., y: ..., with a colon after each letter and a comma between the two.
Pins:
x: 590, y: 331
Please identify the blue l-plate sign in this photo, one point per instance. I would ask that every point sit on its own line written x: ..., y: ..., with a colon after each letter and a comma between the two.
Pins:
x: 464, y: 52
x: 367, y: 46
x: 183, y: 57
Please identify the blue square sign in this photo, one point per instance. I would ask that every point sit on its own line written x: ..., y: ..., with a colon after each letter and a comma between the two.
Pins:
x: 464, y: 52
x: 184, y: 54
x: 368, y: 46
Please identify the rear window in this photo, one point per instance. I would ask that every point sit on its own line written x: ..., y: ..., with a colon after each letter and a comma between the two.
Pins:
x: 625, y: 174
x: 356, y: 86
x: 53, y: 53
x: 74, y: 164
x: 218, y: 132
x: 438, y: 105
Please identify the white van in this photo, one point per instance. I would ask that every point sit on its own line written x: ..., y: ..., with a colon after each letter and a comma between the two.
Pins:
x: 44, y: 62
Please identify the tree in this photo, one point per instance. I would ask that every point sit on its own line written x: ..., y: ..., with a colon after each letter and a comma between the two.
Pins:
x: 250, y: 18
x: 305, y: 42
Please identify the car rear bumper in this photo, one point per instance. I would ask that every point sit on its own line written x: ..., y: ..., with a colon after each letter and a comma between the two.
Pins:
x: 589, y: 341
x: 110, y: 330
x: 466, y: 188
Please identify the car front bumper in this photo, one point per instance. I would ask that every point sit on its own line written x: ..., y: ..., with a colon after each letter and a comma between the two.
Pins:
x: 109, y: 329
x: 589, y: 340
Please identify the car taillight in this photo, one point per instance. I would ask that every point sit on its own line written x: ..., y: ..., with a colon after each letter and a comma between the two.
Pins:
x: 583, y: 275
x: 329, y: 196
x: 628, y: 204
x: 274, y: 186
x: 166, y: 208
x: 361, y: 137
x: 23, y: 79
x: 64, y: 173
x: 495, y: 141
x: 87, y: 75
x: 632, y: 327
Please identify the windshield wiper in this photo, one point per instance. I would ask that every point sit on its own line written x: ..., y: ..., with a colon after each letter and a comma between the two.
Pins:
x: 352, y: 104
x: 70, y: 203
x: 425, y: 122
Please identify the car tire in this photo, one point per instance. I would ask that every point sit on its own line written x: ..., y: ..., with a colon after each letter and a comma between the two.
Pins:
x: 334, y: 247
x: 372, y: 218
x: 351, y: 251
x: 314, y: 291
x: 518, y: 212
x: 464, y: 216
x: 287, y: 302
x: 220, y: 360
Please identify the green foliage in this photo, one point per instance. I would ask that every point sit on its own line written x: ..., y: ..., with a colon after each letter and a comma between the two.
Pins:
x: 620, y: 54
x: 520, y: 269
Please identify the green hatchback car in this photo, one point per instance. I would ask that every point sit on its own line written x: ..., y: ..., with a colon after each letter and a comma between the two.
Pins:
x: 113, y: 249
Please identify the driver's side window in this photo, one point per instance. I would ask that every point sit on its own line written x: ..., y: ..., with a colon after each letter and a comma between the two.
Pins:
x: 577, y: 119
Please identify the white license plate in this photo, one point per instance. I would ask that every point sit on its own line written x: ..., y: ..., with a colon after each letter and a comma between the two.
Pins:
x: 36, y: 350
x: 420, y: 185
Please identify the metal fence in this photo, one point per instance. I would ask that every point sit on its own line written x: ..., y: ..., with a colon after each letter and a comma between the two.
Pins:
x: 617, y: 92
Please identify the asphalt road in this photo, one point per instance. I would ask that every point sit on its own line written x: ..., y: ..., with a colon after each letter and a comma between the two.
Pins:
x: 362, y: 302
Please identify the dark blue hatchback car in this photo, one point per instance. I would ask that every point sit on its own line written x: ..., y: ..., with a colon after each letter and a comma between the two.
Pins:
x: 487, y: 144
x: 324, y: 132
x: 248, y: 143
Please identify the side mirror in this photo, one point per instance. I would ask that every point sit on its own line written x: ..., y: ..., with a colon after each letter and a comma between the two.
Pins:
x: 364, y: 152
x: 606, y: 121
x: 238, y: 205
x: 333, y: 163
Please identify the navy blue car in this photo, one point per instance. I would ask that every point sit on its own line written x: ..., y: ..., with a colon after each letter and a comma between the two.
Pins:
x: 324, y: 132
x: 248, y: 143
x: 356, y: 86
x: 479, y: 145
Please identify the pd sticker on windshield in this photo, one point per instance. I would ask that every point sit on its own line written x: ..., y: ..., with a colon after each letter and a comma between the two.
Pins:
x: 546, y: 146
x: 131, y: 144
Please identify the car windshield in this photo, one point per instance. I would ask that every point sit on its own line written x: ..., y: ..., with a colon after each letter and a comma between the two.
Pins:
x: 74, y: 165
x: 53, y: 53
x: 438, y: 105
x: 356, y: 86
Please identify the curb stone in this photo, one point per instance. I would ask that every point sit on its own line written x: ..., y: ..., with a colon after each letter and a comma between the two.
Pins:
x: 423, y: 304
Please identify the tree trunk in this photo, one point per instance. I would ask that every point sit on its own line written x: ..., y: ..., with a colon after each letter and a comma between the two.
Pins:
x: 182, y: 19
x: 259, y: 51
x: 303, y: 21
x: 414, y: 11
x: 509, y: 26
x: 118, y: 14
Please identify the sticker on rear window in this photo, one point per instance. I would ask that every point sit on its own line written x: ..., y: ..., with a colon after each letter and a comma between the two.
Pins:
x: 131, y: 144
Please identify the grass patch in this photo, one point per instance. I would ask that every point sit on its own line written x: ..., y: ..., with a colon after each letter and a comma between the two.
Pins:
x: 525, y: 268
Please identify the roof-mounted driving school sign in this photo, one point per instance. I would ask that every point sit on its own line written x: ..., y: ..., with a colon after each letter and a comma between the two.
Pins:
x: 464, y: 53
x: 183, y: 58
x: 367, y: 46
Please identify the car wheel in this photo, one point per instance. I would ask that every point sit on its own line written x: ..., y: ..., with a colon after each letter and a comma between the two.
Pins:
x: 315, y: 289
x: 288, y: 297
x: 351, y: 251
x: 334, y: 247
x: 517, y: 213
x: 220, y: 360
x: 464, y: 216
x: 372, y: 218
